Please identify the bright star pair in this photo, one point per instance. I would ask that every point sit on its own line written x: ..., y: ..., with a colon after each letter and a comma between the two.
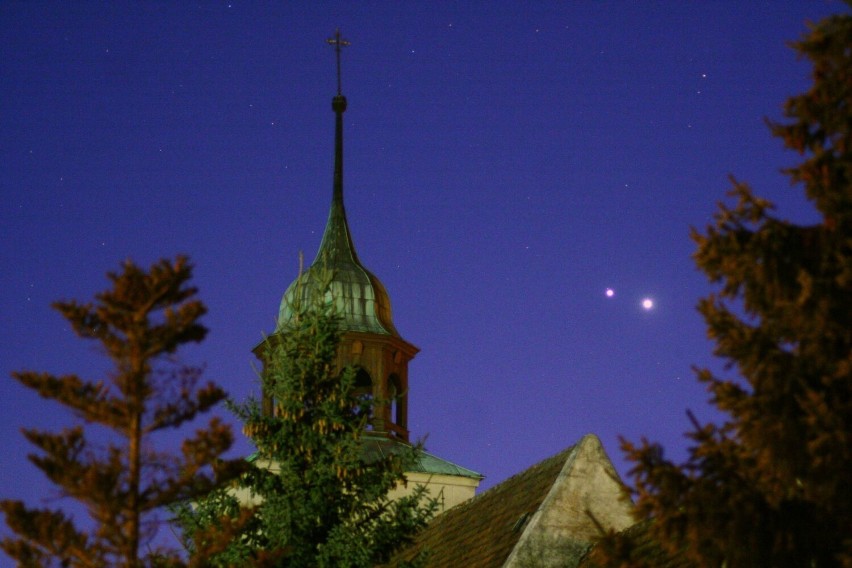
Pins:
x: 647, y: 303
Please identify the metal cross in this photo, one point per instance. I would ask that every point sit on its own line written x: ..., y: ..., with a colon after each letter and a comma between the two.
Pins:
x: 337, y: 42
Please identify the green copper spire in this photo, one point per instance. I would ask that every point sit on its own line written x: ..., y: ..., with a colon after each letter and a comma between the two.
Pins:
x: 336, y: 246
x: 360, y: 297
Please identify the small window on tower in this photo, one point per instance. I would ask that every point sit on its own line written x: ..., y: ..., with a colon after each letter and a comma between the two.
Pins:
x: 364, y: 389
x: 394, y: 395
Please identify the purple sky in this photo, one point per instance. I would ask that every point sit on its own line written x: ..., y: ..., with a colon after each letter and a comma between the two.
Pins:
x: 504, y: 166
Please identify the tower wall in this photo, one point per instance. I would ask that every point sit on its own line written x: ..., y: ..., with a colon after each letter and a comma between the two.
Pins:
x: 385, y: 359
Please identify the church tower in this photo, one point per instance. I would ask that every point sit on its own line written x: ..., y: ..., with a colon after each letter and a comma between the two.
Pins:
x: 370, y: 342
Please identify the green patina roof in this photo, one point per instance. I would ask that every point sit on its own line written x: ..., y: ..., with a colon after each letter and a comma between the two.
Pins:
x: 375, y: 446
x: 361, y: 299
x: 427, y: 463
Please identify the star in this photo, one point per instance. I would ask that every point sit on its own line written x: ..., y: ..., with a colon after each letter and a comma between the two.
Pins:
x: 610, y: 292
x: 648, y: 304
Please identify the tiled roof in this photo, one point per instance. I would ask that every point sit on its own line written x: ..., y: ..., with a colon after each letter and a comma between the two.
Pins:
x: 483, y: 532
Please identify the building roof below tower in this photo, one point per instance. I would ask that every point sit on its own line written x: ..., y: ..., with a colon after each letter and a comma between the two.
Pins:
x: 377, y: 446
x: 539, y: 517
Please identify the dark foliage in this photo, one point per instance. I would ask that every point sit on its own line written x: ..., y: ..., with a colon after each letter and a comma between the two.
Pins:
x: 139, y: 323
x: 770, y: 486
x: 317, y: 501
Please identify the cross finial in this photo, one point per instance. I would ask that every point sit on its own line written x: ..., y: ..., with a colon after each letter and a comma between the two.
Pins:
x: 337, y: 42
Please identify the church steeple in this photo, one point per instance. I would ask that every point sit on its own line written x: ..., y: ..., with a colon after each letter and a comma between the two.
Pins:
x: 370, y: 342
x: 359, y: 296
x: 336, y: 248
x: 336, y: 245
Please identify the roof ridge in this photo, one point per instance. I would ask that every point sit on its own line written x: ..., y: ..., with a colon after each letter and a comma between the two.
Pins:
x: 529, y: 471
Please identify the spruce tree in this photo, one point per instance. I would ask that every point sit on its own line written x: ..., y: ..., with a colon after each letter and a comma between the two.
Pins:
x: 770, y: 486
x: 118, y: 477
x: 313, y: 496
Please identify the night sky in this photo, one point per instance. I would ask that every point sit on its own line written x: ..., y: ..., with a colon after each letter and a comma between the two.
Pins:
x: 505, y: 166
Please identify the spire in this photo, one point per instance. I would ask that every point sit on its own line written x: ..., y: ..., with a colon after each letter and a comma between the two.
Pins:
x: 360, y: 298
x: 338, y: 104
x: 336, y: 246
